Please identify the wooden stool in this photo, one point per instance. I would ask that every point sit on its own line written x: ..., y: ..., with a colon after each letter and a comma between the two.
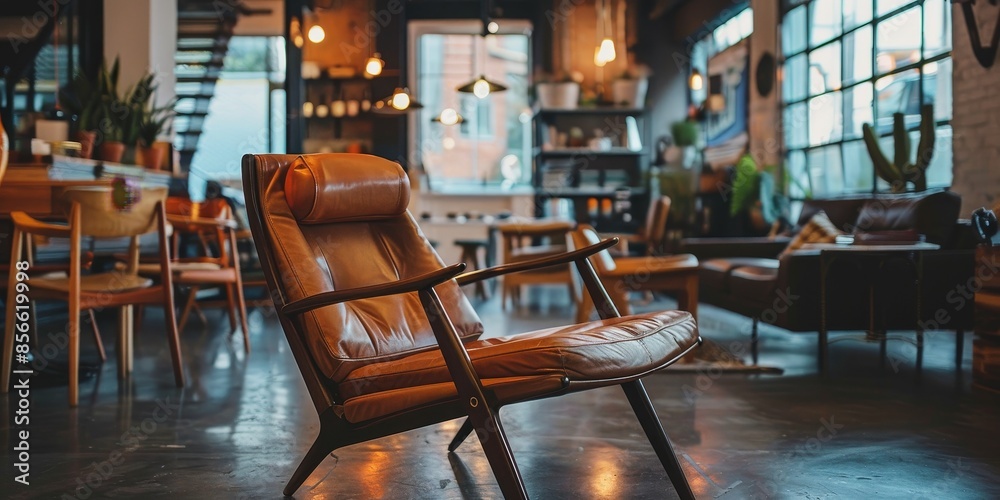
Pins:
x: 470, y: 255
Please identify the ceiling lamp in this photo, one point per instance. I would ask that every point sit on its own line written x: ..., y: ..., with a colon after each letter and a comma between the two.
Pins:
x: 481, y: 87
x: 316, y: 33
x: 374, y: 65
x: 605, y: 51
x: 696, y: 82
x: 493, y: 27
x: 448, y: 116
x: 398, y: 103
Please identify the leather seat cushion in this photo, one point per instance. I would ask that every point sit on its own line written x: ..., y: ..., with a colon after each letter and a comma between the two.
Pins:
x: 599, y: 350
x: 715, y: 273
x: 632, y: 266
x: 753, y: 281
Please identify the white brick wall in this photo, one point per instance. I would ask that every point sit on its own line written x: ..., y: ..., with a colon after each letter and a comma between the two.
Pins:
x: 976, y: 121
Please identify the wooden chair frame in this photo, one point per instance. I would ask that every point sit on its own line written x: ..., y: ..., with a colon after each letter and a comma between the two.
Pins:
x: 78, y: 299
x: 480, y: 405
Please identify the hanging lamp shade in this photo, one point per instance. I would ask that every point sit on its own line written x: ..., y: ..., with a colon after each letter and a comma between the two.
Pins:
x: 481, y: 87
x: 399, y: 102
x: 374, y: 65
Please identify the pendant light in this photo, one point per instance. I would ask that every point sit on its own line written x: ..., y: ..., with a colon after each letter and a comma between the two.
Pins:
x: 696, y: 82
x: 605, y: 51
x: 481, y: 87
x: 398, y: 103
x: 316, y: 33
x: 448, y: 116
x: 374, y: 64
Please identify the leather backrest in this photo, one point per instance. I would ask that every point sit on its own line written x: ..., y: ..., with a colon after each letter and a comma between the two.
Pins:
x: 334, y: 188
x: 843, y: 212
x: 100, y: 218
x: 320, y: 255
x: 931, y: 214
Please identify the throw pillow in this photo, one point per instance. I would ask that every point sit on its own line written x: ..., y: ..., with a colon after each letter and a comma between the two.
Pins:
x: 819, y: 229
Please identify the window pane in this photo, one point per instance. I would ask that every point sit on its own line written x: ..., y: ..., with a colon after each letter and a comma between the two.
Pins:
x: 857, y: 12
x: 826, y: 171
x: 793, y: 31
x: 796, y: 123
x: 899, y: 40
x: 825, y: 17
x: 825, y: 118
x: 795, y: 75
x: 859, y: 108
x: 937, y: 88
x: 824, y: 69
x: 937, y: 27
x: 858, y: 55
x: 798, y: 178
x: 939, y: 173
x: 899, y: 93
x: 858, y: 168
x: 887, y: 6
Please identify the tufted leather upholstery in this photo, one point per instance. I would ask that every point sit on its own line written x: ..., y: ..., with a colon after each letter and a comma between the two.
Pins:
x: 359, y: 244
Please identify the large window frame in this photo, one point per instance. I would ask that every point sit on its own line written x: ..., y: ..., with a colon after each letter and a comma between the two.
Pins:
x: 846, y: 142
x: 418, y: 132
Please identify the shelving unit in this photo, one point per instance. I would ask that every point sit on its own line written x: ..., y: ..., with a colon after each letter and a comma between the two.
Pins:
x: 344, y: 129
x: 605, y: 188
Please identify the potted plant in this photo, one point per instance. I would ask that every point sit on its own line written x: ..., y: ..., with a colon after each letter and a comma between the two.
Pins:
x: 83, y: 99
x: 629, y: 90
x: 557, y: 93
x: 153, y: 122
x: 685, y: 135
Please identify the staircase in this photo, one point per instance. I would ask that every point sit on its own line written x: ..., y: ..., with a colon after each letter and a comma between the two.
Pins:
x: 203, y: 33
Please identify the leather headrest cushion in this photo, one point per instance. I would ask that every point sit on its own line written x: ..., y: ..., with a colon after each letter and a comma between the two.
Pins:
x: 342, y: 187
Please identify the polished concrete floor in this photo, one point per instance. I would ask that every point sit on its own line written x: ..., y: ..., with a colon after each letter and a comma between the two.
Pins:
x: 242, y: 424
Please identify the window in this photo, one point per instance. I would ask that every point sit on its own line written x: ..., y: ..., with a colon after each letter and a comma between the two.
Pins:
x: 851, y: 62
x: 492, y: 141
x: 245, y: 111
x: 729, y: 33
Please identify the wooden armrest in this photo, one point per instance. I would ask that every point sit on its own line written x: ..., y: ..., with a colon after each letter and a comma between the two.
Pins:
x: 201, y: 223
x: 29, y: 224
x: 414, y: 284
x: 552, y: 260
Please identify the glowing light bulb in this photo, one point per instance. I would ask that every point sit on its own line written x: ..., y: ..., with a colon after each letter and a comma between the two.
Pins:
x: 606, y: 52
x: 374, y: 65
x: 316, y: 33
x: 493, y: 27
x: 697, y: 81
x: 400, y: 100
x: 598, y: 61
x: 481, y: 88
x: 448, y: 116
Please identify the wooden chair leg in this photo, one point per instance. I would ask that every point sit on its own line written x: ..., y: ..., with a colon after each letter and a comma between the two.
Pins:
x: 494, y: 442
x: 173, y: 335
x: 193, y: 295
x: 97, y: 335
x: 688, y: 298
x: 231, y: 308
x: 323, y: 446
x: 241, y: 303
x: 460, y: 436
x: 643, y: 409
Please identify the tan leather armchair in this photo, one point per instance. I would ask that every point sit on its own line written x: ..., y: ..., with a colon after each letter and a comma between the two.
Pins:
x: 387, y: 342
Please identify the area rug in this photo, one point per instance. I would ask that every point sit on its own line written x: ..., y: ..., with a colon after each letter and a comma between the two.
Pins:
x: 713, y: 358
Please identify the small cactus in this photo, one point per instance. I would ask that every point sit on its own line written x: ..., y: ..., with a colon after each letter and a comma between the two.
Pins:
x: 900, y: 171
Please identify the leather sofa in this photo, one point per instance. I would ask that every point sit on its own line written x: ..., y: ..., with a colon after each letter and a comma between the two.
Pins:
x: 745, y: 275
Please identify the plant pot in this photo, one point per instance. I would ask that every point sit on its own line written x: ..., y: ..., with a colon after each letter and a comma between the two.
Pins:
x: 86, y: 139
x: 149, y: 157
x: 111, y: 151
x: 630, y: 93
x: 563, y: 95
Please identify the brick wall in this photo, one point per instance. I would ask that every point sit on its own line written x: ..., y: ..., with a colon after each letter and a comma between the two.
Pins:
x: 976, y: 121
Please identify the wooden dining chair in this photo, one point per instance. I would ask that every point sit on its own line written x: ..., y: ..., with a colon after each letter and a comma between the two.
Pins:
x: 652, y: 237
x: 676, y: 274
x: 524, y: 241
x: 91, y: 213
x: 386, y: 340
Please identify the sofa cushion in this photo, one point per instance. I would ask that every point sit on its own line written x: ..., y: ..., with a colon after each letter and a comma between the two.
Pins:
x: 753, y: 282
x: 819, y: 230
x: 715, y: 273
